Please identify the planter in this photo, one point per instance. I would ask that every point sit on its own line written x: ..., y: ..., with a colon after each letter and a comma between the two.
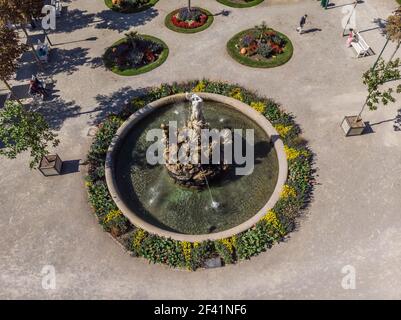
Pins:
x: 169, y: 23
x: 235, y: 4
x: 239, y: 55
x: 351, y: 127
x: 51, y: 165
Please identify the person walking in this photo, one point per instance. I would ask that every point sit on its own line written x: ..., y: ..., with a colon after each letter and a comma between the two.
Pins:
x: 302, y: 23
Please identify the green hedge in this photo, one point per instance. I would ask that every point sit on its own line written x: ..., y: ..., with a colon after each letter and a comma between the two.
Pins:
x: 271, y: 63
x: 248, y: 4
x: 179, y: 254
x: 133, y: 72
x: 151, y: 3
x: 171, y: 26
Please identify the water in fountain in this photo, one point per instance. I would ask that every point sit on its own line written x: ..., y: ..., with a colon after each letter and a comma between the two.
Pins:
x: 213, y: 204
x: 181, y: 209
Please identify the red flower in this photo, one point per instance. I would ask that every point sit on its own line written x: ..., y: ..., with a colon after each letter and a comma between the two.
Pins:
x: 186, y: 25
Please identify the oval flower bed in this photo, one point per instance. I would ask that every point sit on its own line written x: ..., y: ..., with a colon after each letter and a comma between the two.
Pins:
x: 130, y: 6
x: 135, y: 54
x: 260, y: 47
x: 240, y: 3
x: 187, y: 20
x: 271, y: 229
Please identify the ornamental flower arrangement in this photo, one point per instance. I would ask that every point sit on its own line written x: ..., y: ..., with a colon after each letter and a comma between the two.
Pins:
x: 129, y: 4
x: 134, y: 52
x: 261, y: 42
x: 189, y: 18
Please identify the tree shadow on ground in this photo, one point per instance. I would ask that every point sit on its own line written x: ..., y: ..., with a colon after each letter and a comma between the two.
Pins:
x: 115, y: 102
x: 57, y: 110
x: 27, y: 67
x: 109, y: 19
x: 72, y: 20
x: 69, y: 60
x: 397, y: 121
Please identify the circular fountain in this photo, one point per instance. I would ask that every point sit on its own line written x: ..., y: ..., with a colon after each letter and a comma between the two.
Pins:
x: 187, y: 201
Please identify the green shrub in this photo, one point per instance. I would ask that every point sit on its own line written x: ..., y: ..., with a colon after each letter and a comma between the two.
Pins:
x: 160, y: 250
x: 100, y: 198
x: 254, y: 241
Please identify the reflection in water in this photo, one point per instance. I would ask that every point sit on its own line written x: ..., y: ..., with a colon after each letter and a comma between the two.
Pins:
x: 231, y: 200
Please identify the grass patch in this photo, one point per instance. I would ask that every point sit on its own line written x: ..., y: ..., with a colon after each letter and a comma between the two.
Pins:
x: 247, y: 61
x: 171, y: 26
x: 234, y: 4
x: 133, y: 72
x: 150, y: 4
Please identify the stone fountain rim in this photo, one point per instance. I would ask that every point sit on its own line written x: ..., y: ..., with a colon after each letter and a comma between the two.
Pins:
x: 245, y: 109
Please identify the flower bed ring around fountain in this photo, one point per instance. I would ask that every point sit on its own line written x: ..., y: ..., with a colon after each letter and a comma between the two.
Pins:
x: 134, y: 119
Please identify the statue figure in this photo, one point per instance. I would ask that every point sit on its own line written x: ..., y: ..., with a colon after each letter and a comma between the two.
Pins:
x: 196, y: 110
x: 192, y: 173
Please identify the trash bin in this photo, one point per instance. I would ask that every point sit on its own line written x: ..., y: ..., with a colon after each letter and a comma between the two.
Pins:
x: 324, y: 3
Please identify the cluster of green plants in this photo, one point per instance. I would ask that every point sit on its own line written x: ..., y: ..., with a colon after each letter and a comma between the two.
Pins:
x: 130, y: 6
x: 240, y: 3
x: 187, y: 20
x: 260, y: 47
x: 272, y: 228
x: 135, y: 54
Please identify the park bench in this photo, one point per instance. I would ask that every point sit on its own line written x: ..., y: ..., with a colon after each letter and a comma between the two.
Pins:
x: 361, y: 47
x: 42, y: 49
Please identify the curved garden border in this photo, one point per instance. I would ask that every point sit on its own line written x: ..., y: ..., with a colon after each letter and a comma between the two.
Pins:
x: 274, y: 62
x: 171, y: 26
x: 143, y: 69
x: 246, y: 110
x: 151, y: 3
x: 271, y: 228
x: 240, y: 5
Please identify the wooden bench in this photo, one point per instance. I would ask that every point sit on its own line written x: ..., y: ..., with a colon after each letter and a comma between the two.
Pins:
x: 361, y: 47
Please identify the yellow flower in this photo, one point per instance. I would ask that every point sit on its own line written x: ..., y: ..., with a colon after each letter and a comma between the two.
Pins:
x: 288, y: 192
x: 88, y: 184
x: 282, y: 129
x: 271, y: 219
x: 139, y: 236
x: 294, y: 153
x: 113, y: 214
x: 186, y: 249
x: 138, y: 103
x: 236, y: 93
x: 200, y: 87
x: 229, y: 243
x: 259, y: 106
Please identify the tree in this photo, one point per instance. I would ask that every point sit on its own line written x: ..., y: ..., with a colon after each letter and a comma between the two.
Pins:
x: 10, y: 50
x: 393, y: 33
x: 393, y: 30
x: 375, y: 78
x: 22, y: 130
x: 21, y: 12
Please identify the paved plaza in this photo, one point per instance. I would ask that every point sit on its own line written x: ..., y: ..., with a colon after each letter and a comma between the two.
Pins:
x: 353, y: 219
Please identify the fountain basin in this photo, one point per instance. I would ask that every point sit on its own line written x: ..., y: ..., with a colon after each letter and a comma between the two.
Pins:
x: 242, y: 206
